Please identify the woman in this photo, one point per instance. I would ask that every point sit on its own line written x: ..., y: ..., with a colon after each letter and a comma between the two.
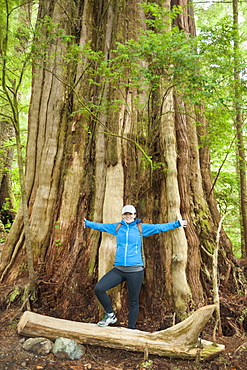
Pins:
x: 129, y: 262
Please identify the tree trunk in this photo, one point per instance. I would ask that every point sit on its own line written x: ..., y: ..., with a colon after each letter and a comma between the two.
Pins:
x: 7, y: 201
x: 177, y: 240
x: 191, y: 192
x: 238, y: 122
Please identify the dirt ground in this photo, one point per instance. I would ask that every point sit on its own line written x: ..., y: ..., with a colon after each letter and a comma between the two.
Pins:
x: 14, y: 357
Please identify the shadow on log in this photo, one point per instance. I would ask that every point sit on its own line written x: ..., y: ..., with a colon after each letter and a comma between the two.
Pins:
x: 179, y: 341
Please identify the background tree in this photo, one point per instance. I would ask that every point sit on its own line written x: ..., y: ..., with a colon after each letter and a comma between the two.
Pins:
x: 12, y: 77
x: 99, y: 137
x: 7, y: 200
x: 239, y: 124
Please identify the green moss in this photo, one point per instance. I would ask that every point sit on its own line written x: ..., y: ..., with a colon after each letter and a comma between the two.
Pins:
x: 15, y: 294
x: 211, y: 350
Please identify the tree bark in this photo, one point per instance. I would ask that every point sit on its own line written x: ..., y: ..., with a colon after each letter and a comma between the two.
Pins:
x: 177, y: 239
x: 191, y: 192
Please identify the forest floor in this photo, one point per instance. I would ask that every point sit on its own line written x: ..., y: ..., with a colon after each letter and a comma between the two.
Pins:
x: 14, y: 357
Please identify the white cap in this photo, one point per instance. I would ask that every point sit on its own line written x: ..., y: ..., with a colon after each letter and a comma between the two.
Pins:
x: 129, y: 208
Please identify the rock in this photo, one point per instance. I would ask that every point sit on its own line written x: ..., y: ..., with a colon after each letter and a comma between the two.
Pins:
x: 39, y: 346
x: 68, y: 348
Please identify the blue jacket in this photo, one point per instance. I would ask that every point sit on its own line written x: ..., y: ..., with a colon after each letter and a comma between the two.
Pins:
x: 129, y: 238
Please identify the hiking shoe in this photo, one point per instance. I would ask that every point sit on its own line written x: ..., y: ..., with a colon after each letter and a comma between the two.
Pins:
x: 109, y: 318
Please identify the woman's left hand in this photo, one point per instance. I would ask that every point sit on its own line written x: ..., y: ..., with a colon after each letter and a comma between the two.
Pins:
x: 183, y: 223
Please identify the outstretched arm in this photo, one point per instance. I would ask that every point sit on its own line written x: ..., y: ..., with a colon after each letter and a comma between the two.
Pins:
x: 151, y: 229
x: 108, y: 228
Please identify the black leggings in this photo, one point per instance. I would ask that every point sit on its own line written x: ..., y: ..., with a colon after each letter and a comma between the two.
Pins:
x: 115, y: 277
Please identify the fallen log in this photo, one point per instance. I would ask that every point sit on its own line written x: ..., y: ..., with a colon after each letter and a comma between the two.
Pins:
x: 179, y: 341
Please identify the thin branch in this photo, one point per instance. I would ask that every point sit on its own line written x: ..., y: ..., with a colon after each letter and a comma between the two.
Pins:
x: 6, y: 116
x: 19, y: 6
x: 207, y: 252
x: 215, y: 282
x: 221, y: 166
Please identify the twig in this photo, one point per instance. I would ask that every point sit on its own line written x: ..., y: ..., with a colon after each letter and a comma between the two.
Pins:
x: 215, y: 282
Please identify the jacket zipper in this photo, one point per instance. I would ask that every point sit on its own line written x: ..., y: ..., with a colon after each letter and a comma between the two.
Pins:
x: 126, y: 246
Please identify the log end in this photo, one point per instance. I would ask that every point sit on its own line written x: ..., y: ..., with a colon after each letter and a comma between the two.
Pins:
x: 22, y: 323
x: 210, y: 350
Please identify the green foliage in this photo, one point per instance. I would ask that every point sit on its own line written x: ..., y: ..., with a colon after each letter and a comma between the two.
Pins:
x: 57, y: 225
x: 169, y: 54
x: 16, y: 37
x: 217, y: 36
x: 58, y: 242
x: 243, y: 315
x: 15, y: 294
